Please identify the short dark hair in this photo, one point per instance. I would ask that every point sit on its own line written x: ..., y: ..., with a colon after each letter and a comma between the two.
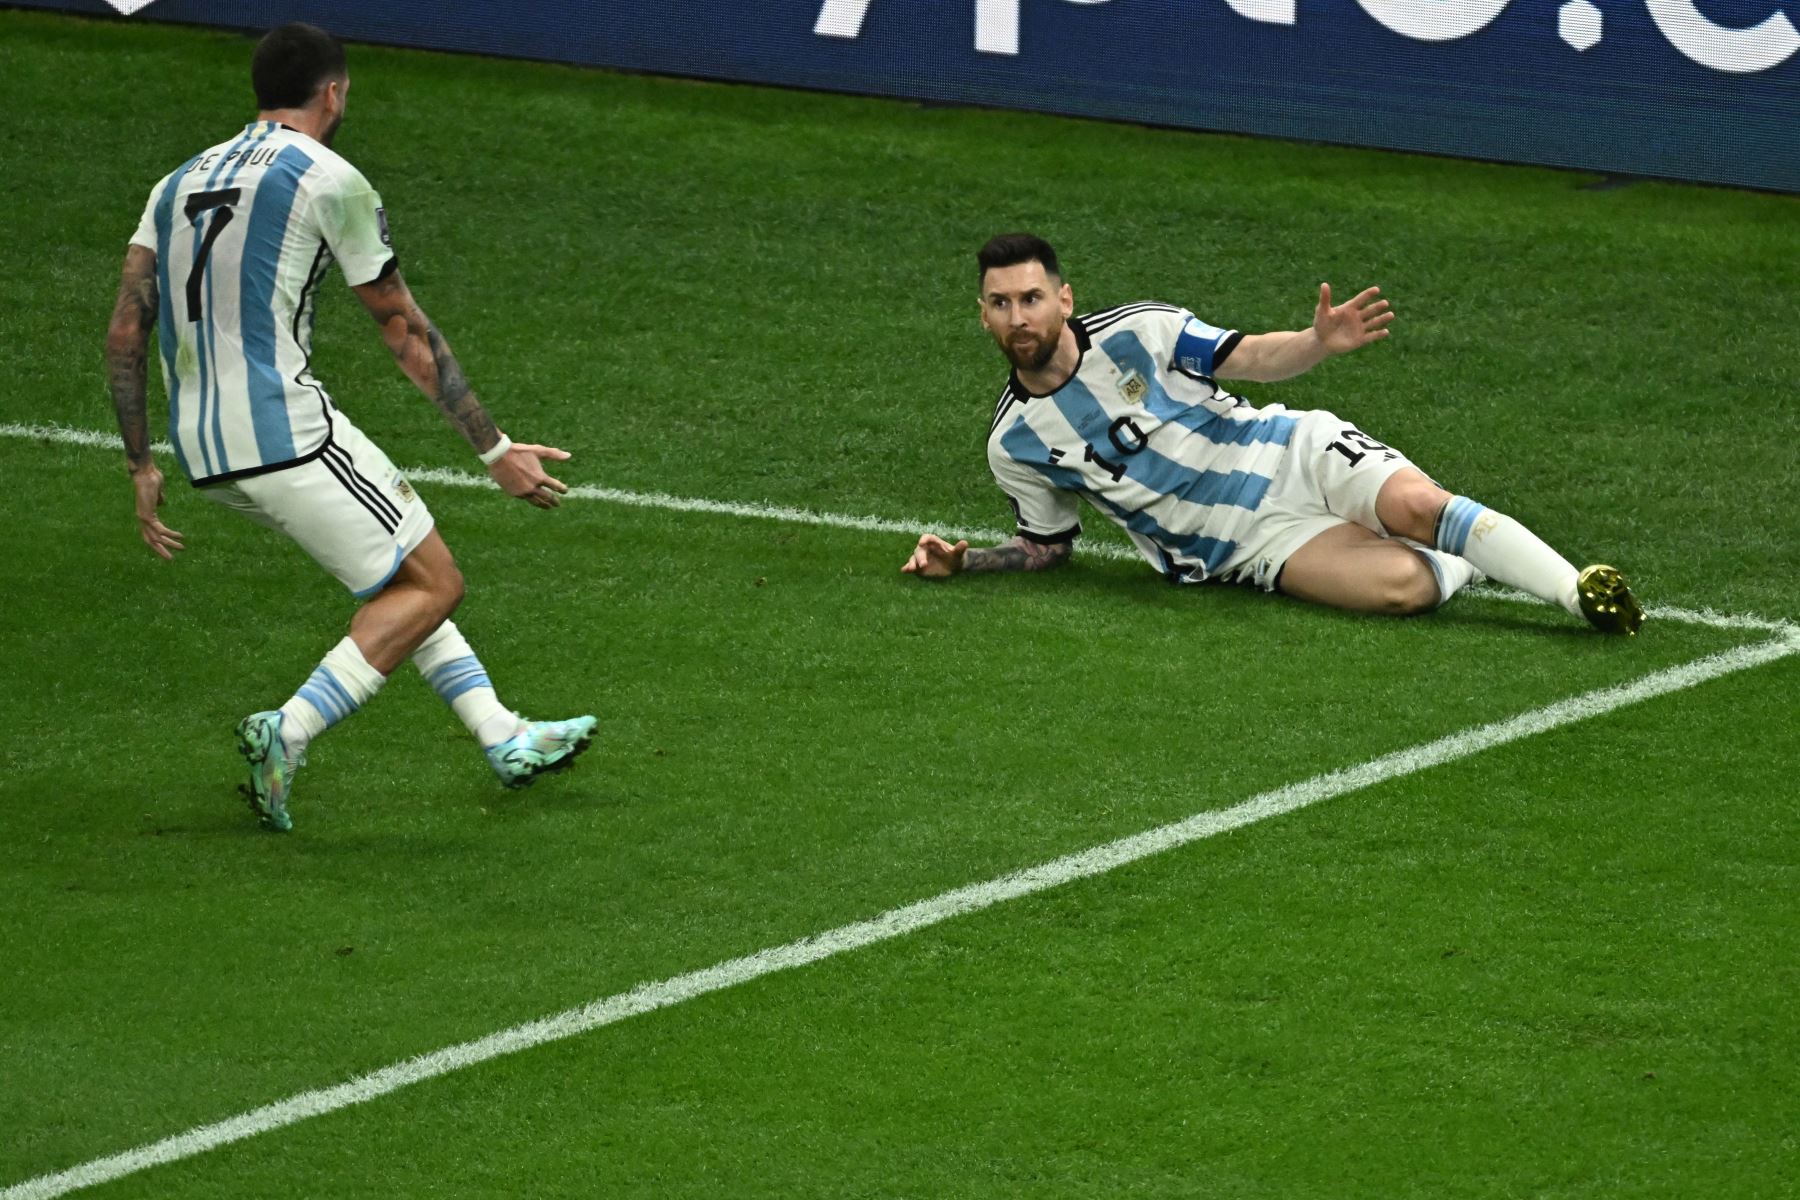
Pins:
x: 291, y: 62
x: 1011, y: 249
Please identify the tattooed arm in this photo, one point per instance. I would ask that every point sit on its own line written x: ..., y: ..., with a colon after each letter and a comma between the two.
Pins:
x: 425, y: 356
x: 934, y: 558
x: 1020, y: 554
x: 127, y: 343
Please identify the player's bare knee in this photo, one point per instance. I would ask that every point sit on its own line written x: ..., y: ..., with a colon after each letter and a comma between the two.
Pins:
x: 1409, y: 505
x: 1422, y: 506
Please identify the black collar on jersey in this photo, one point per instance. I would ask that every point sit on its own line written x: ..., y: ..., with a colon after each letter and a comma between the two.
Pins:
x: 1082, y: 342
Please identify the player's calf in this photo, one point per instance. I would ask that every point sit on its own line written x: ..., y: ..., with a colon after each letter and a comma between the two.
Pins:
x: 1405, y: 585
x: 1354, y: 568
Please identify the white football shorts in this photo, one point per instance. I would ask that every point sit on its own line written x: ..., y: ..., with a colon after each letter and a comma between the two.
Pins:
x: 1331, y: 474
x: 349, y: 508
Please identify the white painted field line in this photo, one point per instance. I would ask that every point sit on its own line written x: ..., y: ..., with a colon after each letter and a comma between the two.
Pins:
x: 804, y: 516
x: 66, y: 436
x: 662, y: 500
x: 896, y: 922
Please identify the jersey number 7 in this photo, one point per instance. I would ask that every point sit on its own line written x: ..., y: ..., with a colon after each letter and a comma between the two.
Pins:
x: 198, y: 205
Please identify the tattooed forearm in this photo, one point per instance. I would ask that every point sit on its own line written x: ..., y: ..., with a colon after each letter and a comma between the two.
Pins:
x: 1020, y: 554
x: 425, y: 356
x: 127, y: 341
x: 456, y: 399
x: 125, y: 377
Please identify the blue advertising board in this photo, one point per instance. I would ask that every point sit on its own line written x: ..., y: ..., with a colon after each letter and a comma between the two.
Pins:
x: 1657, y: 88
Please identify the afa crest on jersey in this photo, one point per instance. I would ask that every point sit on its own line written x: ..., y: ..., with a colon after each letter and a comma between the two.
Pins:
x: 1134, y: 387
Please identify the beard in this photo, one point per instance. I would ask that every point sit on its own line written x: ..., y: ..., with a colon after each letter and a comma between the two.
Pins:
x: 330, y: 131
x: 1033, y: 353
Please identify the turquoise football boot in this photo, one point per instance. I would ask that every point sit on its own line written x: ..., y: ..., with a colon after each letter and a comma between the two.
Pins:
x: 271, y: 770
x: 539, y: 748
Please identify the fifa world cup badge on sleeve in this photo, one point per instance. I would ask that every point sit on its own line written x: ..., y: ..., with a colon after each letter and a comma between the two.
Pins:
x: 404, y: 488
x: 381, y: 226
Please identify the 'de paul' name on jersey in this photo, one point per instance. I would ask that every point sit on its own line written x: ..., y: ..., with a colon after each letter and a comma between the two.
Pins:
x: 1145, y: 435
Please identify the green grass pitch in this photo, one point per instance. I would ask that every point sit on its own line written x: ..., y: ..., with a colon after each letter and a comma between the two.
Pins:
x: 1560, y: 968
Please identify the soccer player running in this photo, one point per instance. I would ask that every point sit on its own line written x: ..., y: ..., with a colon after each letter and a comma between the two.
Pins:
x: 1124, y: 407
x: 228, y: 260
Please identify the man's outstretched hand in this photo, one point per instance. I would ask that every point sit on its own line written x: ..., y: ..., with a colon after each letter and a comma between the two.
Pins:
x: 934, y: 558
x: 520, y: 472
x: 1353, y: 324
x: 147, y: 483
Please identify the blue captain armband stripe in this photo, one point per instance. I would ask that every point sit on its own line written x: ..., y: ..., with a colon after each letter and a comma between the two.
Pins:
x: 1202, y: 347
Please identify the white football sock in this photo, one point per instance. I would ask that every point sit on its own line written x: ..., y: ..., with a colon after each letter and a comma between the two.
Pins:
x: 1453, y: 573
x: 1505, y: 550
x: 341, y: 683
x: 457, y: 676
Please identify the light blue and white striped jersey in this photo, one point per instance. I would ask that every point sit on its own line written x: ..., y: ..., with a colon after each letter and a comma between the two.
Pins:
x: 244, y: 233
x: 1145, y: 435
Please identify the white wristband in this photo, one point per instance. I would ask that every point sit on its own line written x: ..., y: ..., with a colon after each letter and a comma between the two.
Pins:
x: 497, y: 452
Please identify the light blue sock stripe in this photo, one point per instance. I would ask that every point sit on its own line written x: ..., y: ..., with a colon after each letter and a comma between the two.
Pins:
x: 1459, y: 518
x: 326, y: 676
x: 315, y: 692
x: 1469, y: 518
x: 469, y: 683
x: 459, y: 675
x: 453, y: 670
x: 318, y: 699
x: 328, y: 705
x: 326, y: 694
x: 1447, y: 529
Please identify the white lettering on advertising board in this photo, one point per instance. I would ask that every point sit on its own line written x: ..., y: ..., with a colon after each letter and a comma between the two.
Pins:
x: 1759, y: 47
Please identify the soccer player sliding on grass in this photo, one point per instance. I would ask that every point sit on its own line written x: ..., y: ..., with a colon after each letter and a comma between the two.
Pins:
x: 1123, y: 407
x: 228, y: 258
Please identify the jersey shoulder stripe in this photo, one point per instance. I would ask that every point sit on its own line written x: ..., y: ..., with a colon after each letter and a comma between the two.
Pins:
x: 1008, y: 398
x: 1114, y: 316
x: 1118, y: 310
x: 1094, y: 322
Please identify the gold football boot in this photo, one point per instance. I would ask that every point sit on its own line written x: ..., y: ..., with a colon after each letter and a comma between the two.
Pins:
x: 1607, y: 602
